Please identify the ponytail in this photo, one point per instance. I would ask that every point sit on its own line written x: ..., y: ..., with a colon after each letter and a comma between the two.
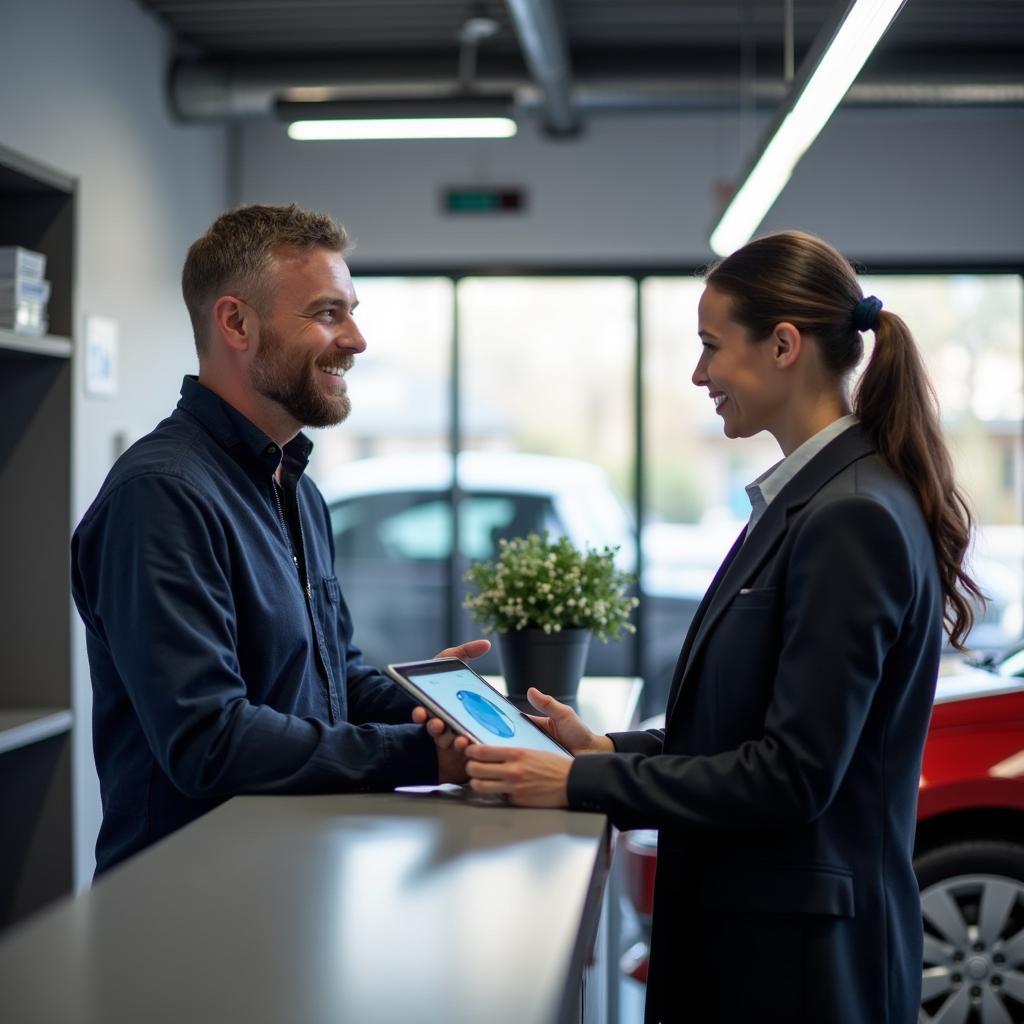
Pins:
x: 897, y: 406
x: 795, y: 277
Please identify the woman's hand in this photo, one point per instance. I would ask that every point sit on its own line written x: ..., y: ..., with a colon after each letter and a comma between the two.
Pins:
x: 564, y: 725
x: 529, y: 778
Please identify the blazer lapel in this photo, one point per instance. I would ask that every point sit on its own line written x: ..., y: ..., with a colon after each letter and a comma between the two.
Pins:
x: 743, y: 562
x: 746, y: 557
x: 698, y: 617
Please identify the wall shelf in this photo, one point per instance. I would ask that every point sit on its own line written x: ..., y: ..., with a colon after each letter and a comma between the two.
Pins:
x: 20, y: 728
x: 15, y: 344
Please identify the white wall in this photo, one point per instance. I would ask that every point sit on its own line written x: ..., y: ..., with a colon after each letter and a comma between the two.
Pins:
x: 880, y: 184
x: 82, y: 89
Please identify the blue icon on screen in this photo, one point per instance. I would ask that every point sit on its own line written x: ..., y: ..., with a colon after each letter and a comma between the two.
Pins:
x: 489, y: 715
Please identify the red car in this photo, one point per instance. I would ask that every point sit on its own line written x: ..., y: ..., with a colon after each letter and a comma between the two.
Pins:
x: 969, y: 854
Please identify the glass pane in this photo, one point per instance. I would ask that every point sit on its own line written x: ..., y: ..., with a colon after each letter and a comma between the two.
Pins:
x: 386, y: 471
x: 547, y: 414
x: 695, y: 478
x: 969, y: 329
x: 487, y: 519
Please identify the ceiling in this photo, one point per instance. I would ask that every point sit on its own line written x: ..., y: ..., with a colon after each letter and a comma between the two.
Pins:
x: 568, y: 59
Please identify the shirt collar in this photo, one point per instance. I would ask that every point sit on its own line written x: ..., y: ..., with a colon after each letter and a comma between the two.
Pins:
x: 768, y: 485
x: 239, y: 435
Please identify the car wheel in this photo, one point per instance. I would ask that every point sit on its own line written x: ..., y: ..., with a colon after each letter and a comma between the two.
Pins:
x: 972, y: 904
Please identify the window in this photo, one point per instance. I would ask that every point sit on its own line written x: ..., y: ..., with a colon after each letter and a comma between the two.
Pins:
x: 547, y: 378
x: 548, y: 390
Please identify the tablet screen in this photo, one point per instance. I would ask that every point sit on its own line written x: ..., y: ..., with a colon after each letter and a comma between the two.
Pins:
x: 476, y: 706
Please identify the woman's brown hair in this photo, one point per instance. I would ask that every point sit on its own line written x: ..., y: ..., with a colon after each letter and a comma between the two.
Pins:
x: 798, y: 278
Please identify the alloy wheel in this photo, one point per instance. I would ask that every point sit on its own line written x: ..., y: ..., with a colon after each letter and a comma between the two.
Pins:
x: 973, y: 951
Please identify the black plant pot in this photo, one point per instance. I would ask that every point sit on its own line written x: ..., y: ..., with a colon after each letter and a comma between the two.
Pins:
x: 553, y: 662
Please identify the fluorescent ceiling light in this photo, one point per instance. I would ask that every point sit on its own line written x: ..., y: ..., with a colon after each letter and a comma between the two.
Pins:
x: 405, y: 128
x: 810, y: 106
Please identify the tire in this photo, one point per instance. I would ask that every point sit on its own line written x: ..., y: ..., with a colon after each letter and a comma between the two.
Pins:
x: 972, y: 905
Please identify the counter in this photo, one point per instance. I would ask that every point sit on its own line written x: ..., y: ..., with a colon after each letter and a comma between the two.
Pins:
x: 409, y: 907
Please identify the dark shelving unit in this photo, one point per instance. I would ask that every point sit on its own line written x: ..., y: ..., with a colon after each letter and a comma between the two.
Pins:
x: 37, y: 211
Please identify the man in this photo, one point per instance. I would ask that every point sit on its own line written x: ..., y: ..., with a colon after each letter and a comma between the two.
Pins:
x: 219, y: 642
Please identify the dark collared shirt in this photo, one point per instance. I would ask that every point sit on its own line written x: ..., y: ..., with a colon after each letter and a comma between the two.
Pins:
x: 219, y: 642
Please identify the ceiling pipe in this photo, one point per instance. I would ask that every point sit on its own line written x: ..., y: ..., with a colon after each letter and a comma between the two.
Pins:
x: 212, y: 90
x: 458, y: 106
x: 546, y: 53
x: 219, y: 91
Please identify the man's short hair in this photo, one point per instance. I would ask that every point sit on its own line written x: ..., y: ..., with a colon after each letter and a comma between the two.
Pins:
x: 236, y: 251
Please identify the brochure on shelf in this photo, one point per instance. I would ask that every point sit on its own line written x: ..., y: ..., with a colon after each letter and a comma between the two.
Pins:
x: 21, y: 264
x: 19, y: 289
x: 24, y: 292
x: 24, y: 318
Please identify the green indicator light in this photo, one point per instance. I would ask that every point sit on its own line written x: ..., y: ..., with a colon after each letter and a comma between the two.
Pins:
x: 496, y: 200
x: 473, y: 201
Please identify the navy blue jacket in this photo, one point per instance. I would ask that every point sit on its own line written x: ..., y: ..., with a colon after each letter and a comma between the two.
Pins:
x: 785, y: 781
x: 220, y: 648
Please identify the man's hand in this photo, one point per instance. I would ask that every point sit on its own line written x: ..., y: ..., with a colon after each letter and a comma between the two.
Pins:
x: 528, y: 777
x: 451, y: 761
x: 563, y: 724
x: 468, y: 651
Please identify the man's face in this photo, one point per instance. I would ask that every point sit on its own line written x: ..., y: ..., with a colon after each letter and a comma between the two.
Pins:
x: 308, y: 338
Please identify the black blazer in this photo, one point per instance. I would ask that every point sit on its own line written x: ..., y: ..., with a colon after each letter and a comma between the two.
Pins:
x: 785, y: 782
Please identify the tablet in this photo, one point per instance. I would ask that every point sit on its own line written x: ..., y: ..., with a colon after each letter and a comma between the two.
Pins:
x: 450, y: 690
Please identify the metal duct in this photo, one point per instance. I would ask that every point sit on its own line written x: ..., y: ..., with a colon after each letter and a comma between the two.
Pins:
x: 218, y: 91
x: 546, y: 54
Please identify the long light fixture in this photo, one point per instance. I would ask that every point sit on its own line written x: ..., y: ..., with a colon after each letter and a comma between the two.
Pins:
x: 437, y: 118
x: 828, y: 73
x: 404, y: 128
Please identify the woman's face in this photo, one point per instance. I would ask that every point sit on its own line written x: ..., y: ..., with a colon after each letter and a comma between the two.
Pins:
x: 740, y: 373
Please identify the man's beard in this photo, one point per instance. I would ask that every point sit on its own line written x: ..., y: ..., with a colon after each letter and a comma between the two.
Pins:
x: 291, y: 382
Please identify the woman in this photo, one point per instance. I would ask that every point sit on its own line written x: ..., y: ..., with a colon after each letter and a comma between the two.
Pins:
x: 784, y: 783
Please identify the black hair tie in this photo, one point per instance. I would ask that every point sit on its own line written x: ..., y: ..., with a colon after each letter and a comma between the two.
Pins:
x: 865, y: 313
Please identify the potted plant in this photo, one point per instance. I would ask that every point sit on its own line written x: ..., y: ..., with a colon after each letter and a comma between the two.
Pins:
x: 544, y: 599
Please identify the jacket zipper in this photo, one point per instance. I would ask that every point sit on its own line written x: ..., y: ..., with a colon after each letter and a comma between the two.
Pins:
x: 309, y: 590
x: 288, y: 534
x: 302, y: 541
